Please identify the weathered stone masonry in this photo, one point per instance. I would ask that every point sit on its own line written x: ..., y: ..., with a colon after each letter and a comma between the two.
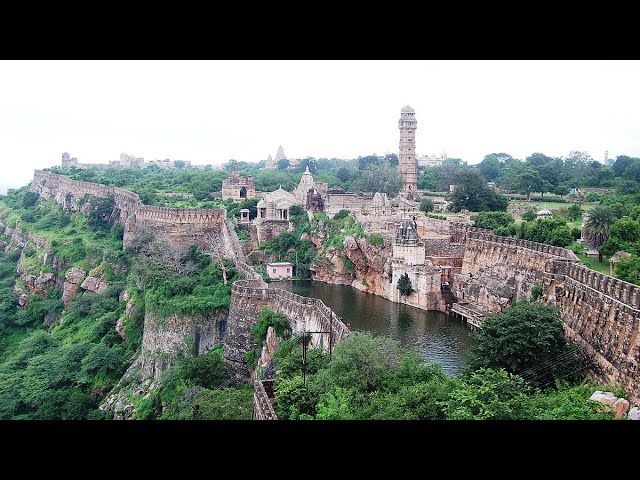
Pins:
x: 248, y: 297
x: 163, y: 338
x: 181, y: 226
x: 600, y: 313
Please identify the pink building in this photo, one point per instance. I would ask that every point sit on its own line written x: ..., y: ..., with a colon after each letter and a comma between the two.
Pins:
x: 280, y: 270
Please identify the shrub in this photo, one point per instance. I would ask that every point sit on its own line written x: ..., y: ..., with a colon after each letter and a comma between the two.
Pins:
x: 426, y: 204
x: 341, y: 214
x: 404, y: 285
x: 376, y: 240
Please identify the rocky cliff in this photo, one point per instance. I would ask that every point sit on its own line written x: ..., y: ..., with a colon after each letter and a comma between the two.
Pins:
x: 165, y: 338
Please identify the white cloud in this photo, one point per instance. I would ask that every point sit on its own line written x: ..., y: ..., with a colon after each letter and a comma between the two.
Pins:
x: 210, y: 111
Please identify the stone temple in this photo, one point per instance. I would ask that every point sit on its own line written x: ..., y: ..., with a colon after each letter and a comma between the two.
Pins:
x: 238, y: 188
x: 407, y: 157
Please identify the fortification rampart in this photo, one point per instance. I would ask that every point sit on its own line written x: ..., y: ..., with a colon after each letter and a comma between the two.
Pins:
x: 601, y: 314
x: 262, y: 407
x: 180, y: 226
x: 248, y: 297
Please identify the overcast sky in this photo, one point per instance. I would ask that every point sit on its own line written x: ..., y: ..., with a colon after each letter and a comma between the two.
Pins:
x: 211, y: 111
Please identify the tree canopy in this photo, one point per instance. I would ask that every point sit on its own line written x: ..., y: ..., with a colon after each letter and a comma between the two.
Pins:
x: 472, y: 192
x: 526, y: 339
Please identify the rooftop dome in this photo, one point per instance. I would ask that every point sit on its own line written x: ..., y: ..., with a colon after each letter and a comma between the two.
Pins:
x: 277, y: 196
x: 407, y: 109
x: 544, y: 213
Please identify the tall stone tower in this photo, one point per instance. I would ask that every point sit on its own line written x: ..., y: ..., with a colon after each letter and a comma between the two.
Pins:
x: 407, y: 157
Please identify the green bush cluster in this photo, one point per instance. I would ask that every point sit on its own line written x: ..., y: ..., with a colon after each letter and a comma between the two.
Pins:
x: 267, y: 318
x: 65, y: 372
x: 371, y: 377
x: 376, y: 240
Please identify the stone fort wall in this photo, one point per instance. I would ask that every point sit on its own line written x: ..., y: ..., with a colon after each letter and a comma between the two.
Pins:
x: 600, y: 313
x: 180, y: 226
x: 248, y: 297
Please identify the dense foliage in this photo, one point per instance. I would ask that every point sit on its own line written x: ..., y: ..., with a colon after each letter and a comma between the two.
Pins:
x: 183, y: 280
x: 526, y: 339
x: 267, y: 318
x: 59, y: 362
x: 472, y: 193
x: 371, y: 377
x: 596, y: 228
x: 426, y: 205
x: 493, y: 220
x: 198, y: 388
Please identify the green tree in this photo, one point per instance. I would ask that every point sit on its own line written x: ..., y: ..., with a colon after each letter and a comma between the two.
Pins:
x: 369, y: 161
x: 472, y: 193
x: 529, y: 181
x: 426, y: 204
x: 629, y: 269
x: 625, y: 229
x: 361, y: 363
x: 529, y: 216
x: 101, y: 210
x: 207, y: 370
x: 392, y: 159
x: 526, y: 339
x: 621, y: 164
x: 335, y: 405
x: 294, y: 400
x: 574, y: 212
x: 30, y: 199
x: 404, y: 285
x: 378, y: 178
x: 487, y: 394
x: 596, y: 228
x: 344, y: 174
x: 491, y: 165
x: 493, y: 220
x: 283, y: 164
x: 428, y: 180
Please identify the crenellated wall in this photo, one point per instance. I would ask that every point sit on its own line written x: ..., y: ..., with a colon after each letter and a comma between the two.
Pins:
x: 499, y: 271
x: 248, y: 297
x: 179, y: 225
x: 262, y: 407
x: 601, y: 314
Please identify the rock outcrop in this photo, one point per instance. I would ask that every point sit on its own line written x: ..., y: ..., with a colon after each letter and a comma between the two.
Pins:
x: 269, y: 347
x: 74, y: 277
x: 166, y: 338
x: 39, y: 284
x: 619, y: 406
x: 94, y: 284
x: 21, y: 296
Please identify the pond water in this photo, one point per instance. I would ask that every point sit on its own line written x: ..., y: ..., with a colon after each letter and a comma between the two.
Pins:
x: 435, y: 336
